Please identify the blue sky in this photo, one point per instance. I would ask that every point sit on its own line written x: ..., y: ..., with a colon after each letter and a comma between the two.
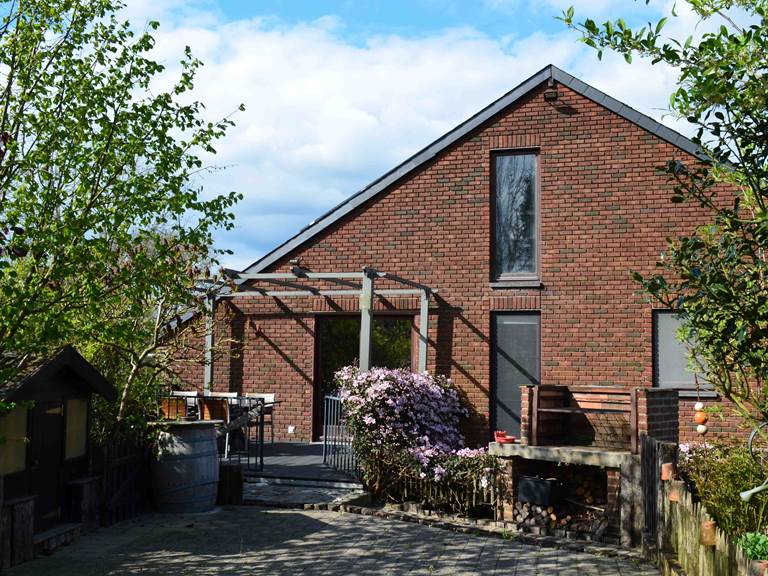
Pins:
x: 402, y: 17
x: 362, y: 19
x: 337, y: 93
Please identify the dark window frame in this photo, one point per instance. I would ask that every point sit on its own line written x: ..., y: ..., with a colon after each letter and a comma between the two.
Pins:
x: 492, y: 409
x: 703, y: 385
x: 515, y: 279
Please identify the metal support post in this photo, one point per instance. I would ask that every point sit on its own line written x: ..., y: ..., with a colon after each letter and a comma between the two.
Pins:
x: 423, y: 330
x: 210, y: 308
x: 366, y: 320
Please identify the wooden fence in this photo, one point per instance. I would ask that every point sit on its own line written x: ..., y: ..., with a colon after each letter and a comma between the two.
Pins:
x: 673, y: 526
x: 124, y: 466
x: 465, y: 497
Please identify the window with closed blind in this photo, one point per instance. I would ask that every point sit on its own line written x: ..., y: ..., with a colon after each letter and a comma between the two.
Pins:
x: 516, y: 363
x: 671, y: 355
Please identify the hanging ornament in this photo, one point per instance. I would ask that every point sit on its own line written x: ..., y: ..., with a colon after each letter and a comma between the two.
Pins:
x: 700, y: 417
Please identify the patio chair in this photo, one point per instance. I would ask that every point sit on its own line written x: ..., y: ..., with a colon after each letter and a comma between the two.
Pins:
x: 217, y: 407
x: 190, y: 399
x: 268, y: 415
x: 172, y: 408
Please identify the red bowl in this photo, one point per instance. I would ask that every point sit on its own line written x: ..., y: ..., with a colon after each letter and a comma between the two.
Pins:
x: 506, y: 440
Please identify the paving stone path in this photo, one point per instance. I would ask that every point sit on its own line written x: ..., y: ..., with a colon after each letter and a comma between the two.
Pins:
x: 250, y: 540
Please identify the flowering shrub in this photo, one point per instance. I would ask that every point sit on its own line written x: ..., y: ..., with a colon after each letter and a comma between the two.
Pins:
x: 398, y: 408
x: 718, y: 473
x: 407, y: 438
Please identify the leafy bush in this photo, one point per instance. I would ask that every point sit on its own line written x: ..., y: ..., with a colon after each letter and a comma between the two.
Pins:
x: 719, y: 472
x: 755, y: 545
x: 408, y: 441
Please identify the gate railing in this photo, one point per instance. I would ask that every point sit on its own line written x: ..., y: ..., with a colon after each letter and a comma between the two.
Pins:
x: 337, y: 439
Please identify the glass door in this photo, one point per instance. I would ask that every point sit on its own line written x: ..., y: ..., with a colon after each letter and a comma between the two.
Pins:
x: 516, y: 363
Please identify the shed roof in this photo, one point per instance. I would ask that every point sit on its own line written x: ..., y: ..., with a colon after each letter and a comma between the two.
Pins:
x: 413, y: 163
x: 40, y: 372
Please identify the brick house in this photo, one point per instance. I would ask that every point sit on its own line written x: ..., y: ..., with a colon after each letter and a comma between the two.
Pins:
x: 525, y: 221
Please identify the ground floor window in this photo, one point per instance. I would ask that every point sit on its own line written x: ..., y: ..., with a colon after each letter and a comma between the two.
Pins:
x: 670, y: 354
x: 516, y: 362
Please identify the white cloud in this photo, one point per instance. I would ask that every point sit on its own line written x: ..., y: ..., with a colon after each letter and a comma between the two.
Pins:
x: 325, y: 116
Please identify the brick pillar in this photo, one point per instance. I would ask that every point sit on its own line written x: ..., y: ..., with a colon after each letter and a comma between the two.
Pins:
x: 613, y: 495
x: 658, y: 414
x: 526, y: 393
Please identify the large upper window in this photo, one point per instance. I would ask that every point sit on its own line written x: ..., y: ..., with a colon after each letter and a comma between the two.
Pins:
x: 670, y: 355
x: 515, y: 248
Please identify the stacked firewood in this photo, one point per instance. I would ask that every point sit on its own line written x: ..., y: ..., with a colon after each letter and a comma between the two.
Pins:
x: 587, y: 490
x: 527, y: 514
x: 566, y: 516
x: 581, y: 507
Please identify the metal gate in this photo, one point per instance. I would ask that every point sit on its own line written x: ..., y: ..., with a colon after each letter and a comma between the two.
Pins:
x: 337, y: 439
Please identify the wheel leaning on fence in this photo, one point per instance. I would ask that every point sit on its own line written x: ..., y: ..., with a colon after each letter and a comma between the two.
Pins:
x: 758, y: 450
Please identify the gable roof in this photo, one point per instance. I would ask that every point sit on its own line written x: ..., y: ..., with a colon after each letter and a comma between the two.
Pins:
x: 413, y: 163
x: 41, y: 372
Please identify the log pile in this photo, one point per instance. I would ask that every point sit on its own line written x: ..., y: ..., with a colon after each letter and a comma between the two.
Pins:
x: 581, y: 509
x: 565, y: 516
x: 587, y: 489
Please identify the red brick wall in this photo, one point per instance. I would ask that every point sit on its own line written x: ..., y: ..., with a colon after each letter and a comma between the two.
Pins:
x: 604, y: 212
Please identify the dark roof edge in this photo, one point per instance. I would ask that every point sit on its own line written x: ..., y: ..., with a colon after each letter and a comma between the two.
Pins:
x: 68, y: 356
x: 462, y: 130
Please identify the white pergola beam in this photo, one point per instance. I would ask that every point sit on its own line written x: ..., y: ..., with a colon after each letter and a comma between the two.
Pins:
x: 306, y: 293
x: 364, y: 290
x: 303, y: 276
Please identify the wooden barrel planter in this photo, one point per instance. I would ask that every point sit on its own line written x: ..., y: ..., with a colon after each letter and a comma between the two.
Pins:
x: 185, y: 473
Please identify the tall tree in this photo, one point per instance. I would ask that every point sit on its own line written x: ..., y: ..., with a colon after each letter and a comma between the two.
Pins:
x: 717, y: 276
x: 99, y: 212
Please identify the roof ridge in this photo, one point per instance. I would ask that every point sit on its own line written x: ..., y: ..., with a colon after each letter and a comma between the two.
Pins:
x: 463, y: 129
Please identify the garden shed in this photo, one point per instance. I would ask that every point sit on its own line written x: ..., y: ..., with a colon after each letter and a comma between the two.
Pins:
x: 46, y: 450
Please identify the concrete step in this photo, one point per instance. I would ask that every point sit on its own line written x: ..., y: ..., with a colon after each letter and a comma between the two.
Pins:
x: 303, y: 482
x: 46, y: 542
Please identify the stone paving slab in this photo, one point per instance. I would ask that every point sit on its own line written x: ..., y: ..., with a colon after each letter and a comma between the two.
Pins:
x: 251, y: 540
x: 281, y: 495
